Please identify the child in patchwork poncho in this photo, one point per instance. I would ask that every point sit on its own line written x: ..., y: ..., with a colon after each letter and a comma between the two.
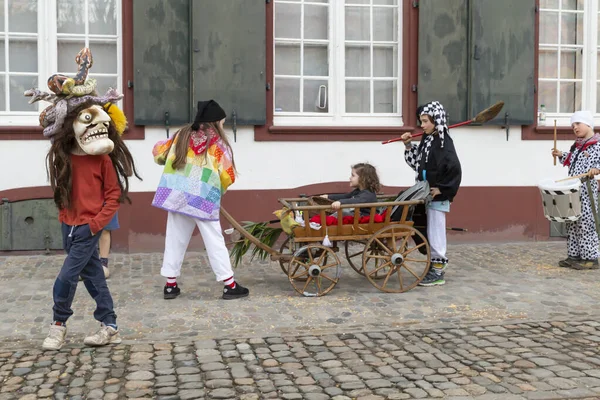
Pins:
x: 199, y: 167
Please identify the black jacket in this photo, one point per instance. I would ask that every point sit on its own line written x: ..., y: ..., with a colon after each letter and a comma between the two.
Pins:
x: 443, y: 168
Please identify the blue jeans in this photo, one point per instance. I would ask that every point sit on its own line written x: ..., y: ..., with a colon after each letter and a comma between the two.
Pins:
x: 82, y: 260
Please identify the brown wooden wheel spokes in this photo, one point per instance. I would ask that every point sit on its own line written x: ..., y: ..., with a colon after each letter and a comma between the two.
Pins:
x: 354, y: 250
x: 398, y: 256
x: 314, y: 270
x: 288, y: 247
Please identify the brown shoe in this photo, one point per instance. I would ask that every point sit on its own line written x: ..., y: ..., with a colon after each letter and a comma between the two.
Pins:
x: 585, y: 265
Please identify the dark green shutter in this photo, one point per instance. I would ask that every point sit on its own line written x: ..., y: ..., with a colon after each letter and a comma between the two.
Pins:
x: 443, y: 52
x: 161, y: 59
x: 503, y: 37
x: 229, y: 57
x: 473, y: 53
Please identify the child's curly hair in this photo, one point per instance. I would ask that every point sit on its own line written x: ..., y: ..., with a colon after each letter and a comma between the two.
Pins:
x: 367, y: 177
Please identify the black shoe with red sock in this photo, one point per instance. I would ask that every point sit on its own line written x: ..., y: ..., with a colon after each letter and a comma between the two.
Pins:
x: 171, y: 290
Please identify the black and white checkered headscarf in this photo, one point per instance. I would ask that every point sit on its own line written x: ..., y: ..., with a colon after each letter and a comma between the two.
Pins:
x: 436, y: 111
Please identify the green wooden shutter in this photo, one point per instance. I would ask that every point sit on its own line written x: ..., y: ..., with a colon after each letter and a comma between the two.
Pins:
x: 473, y: 53
x: 161, y: 61
x: 503, y: 51
x: 443, y: 52
x: 229, y: 57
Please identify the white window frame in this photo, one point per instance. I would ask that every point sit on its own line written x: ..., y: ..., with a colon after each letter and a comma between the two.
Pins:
x: 336, y: 81
x: 48, y: 58
x: 589, y: 77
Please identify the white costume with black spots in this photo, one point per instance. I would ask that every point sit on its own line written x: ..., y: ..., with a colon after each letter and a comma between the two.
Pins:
x: 582, y: 235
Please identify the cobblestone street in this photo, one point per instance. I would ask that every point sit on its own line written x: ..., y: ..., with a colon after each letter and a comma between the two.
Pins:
x: 507, y: 325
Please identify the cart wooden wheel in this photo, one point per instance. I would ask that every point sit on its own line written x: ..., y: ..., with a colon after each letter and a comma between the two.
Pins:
x: 354, y: 250
x: 398, y: 256
x: 314, y: 270
x: 288, y: 247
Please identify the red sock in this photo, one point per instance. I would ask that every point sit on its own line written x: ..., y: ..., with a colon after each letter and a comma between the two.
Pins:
x: 171, y: 281
x: 229, y: 282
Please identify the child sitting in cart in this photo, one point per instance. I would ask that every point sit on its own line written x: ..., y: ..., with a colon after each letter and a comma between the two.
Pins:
x: 365, y: 183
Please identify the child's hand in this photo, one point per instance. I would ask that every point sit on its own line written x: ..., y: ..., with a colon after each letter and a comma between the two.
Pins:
x: 594, y: 172
x: 556, y: 152
x: 323, y: 196
x: 435, y: 191
x: 406, y: 138
x: 336, y: 205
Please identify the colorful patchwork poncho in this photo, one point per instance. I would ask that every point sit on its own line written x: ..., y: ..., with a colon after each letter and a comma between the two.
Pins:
x: 196, y: 189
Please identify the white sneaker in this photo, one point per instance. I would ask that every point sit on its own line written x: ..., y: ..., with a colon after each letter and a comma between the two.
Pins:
x: 106, y: 335
x: 56, y: 337
x: 106, y: 272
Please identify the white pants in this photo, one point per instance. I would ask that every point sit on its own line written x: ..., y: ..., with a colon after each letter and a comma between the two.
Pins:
x: 179, y: 232
x: 436, y: 235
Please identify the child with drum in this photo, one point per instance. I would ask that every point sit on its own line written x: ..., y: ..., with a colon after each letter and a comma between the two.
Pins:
x: 583, y: 158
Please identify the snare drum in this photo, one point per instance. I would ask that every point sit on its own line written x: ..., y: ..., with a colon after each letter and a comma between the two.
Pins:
x: 561, y: 199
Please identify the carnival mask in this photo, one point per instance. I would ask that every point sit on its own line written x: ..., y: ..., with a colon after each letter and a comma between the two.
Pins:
x: 91, y: 131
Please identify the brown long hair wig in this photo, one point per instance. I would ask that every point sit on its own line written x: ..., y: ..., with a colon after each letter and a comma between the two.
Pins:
x: 183, y: 142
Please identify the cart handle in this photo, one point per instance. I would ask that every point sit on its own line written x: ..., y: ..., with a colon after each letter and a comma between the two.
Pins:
x: 247, y: 234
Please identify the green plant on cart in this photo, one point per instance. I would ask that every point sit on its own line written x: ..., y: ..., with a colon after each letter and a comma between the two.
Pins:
x: 260, y: 230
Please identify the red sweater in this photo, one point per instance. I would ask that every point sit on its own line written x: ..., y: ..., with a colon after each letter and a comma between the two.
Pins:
x: 95, y: 192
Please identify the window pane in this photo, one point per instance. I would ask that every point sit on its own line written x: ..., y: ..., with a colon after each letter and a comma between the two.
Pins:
x: 357, y: 1
x: 18, y: 85
x: 287, y: 95
x: 597, y: 98
x: 548, y: 64
x: 67, y: 50
x: 22, y: 55
x: 312, y: 98
x: 385, y: 61
x: 572, y: 4
x: 22, y: 16
x: 316, y: 22
x: 358, y: 61
x: 105, y: 58
x: 570, y: 64
x: 549, y: 4
x: 102, y: 17
x: 104, y: 83
x: 2, y: 57
x: 385, y: 24
x: 1, y: 21
x: 358, y: 96
x: 316, y: 60
x: 287, y: 21
x: 570, y: 97
x: 357, y: 23
x: 547, y: 96
x: 385, y: 2
x: 2, y: 93
x: 287, y: 59
x: 549, y: 27
x: 384, y: 96
x: 572, y: 28
x: 70, y: 16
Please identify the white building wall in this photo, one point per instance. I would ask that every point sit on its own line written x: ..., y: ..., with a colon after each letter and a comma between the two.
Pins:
x: 487, y: 158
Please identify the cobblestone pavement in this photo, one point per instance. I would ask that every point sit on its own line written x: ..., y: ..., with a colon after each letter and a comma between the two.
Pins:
x: 523, y: 361
x: 507, y: 325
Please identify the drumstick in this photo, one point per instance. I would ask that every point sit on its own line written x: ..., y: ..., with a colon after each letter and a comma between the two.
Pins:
x: 555, y: 141
x: 572, y: 177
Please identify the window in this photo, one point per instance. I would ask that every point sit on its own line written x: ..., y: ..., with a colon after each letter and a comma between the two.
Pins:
x: 337, y: 62
x: 33, y: 47
x: 569, y: 69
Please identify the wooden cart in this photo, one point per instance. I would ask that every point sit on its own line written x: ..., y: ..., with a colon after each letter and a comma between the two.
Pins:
x: 393, y: 255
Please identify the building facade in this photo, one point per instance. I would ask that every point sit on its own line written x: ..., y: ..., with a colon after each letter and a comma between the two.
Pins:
x: 310, y: 88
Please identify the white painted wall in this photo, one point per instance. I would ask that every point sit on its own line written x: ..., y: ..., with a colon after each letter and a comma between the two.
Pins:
x: 487, y: 158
